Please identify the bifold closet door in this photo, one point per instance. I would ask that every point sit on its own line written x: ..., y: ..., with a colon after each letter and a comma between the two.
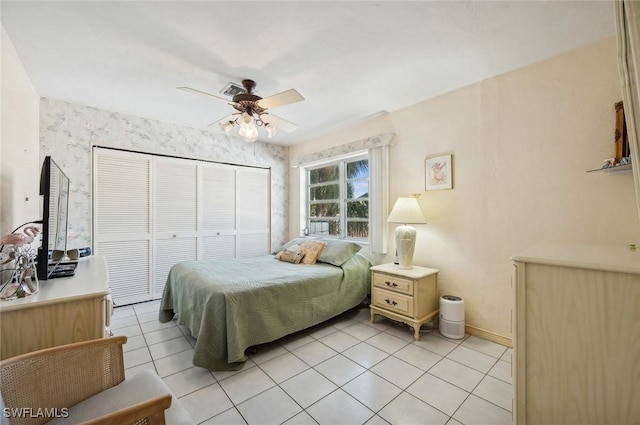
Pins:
x: 122, y: 222
x: 151, y: 212
x: 254, y: 212
x: 175, y: 215
x: 217, y: 225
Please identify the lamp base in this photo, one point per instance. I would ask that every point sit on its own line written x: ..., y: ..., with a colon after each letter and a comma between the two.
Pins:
x: 405, y: 245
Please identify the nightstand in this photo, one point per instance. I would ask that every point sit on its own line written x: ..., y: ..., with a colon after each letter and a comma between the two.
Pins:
x: 405, y: 295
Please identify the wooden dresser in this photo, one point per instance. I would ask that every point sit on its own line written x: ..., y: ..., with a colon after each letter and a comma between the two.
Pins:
x: 577, y: 335
x: 406, y: 295
x: 65, y: 310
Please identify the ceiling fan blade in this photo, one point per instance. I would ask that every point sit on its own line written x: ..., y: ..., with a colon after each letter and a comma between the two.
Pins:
x: 189, y: 89
x: 280, y: 99
x: 279, y: 123
x: 231, y: 117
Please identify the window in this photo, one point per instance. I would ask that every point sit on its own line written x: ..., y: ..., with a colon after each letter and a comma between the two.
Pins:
x: 374, y: 151
x: 338, y: 199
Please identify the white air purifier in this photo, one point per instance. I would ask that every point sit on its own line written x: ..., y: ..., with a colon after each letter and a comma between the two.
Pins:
x: 452, y: 316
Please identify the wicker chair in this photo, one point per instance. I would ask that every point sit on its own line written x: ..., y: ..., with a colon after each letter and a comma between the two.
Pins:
x: 81, y: 383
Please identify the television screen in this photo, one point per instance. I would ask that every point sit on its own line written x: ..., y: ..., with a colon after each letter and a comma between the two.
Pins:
x: 54, y: 188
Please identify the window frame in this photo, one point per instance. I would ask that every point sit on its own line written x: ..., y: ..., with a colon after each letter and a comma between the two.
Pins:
x: 343, y: 182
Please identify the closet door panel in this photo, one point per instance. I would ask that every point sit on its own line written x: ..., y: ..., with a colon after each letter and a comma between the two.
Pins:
x: 217, y: 225
x: 175, y: 189
x: 129, y: 271
x: 218, y: 198
x: 253, y: 200
x: 167, y: 253
x: 121, y: 221
x: 253, y: 244
x: 175, y: 195
x: 220, y: 247
x: 121, y: 187
x: 254, y: 211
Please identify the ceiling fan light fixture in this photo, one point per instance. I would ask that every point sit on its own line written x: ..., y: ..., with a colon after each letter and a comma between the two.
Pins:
x: 250, y: 108
x: 249, y: 134
x: 246, y: 119
x: 271, y: 130
x: 226, y: 127
x: 248, y: 130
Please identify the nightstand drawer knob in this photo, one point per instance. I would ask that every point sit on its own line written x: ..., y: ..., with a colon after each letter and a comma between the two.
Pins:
x: 392, y: 284
x: 388, y: 301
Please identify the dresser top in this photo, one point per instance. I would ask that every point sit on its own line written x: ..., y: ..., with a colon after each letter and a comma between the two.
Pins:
x: 615, y: 258
x: 415, y: 273
x: 91, y: 279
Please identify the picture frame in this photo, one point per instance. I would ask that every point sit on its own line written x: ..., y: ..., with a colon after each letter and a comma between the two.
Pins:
x: 439, y: 172
x: 620, y: 137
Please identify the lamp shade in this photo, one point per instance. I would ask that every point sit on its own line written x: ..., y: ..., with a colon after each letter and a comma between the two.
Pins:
x: 406, y: 210
x: 226, y: 127
x: 248, y: 130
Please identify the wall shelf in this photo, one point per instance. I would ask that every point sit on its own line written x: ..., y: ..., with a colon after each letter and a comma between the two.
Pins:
x: 615, y: 168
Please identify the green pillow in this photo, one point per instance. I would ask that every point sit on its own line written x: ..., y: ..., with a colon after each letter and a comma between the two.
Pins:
x: 337, y: 252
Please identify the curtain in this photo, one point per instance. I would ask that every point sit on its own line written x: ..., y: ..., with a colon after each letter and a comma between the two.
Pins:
x: 379, y: 198
x: 628, y: 33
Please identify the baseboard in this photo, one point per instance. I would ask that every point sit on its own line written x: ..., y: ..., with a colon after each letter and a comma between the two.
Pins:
x: 490, y: 336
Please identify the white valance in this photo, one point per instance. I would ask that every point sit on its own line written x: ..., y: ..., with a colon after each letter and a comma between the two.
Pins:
x: 361, y: 145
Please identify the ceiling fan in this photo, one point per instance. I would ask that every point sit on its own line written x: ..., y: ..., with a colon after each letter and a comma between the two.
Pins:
x: 252, y: 111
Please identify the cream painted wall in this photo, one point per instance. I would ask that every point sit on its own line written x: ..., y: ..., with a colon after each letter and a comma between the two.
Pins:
x: 19, y: 146
x: 521, y: 144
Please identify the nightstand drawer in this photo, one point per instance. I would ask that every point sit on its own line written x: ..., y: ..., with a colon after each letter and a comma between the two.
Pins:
x: 393, y: 283
x: 393, y: 301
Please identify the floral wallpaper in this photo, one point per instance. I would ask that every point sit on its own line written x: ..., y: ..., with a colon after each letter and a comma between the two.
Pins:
x: 68, y: 131
x: 383, y: 139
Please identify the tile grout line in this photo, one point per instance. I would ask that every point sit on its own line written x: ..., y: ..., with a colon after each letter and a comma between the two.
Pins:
x: 363, y: 320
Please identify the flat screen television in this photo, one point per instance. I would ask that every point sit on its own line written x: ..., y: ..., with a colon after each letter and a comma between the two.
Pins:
x: 54, y: 188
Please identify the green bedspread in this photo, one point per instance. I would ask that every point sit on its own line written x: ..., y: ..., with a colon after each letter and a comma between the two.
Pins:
x: 230, y: 305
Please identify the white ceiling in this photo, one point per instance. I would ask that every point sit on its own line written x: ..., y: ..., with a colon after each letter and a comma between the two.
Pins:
x: 349, y: 59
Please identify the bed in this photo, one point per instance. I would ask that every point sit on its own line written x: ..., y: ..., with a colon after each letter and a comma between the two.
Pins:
x: 231, y: 305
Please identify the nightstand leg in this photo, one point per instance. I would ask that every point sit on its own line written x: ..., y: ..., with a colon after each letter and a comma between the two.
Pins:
x: 416, y: 331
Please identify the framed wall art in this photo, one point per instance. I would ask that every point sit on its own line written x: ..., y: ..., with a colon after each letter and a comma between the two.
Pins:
x: 439, y: 173
x: 621, y: 138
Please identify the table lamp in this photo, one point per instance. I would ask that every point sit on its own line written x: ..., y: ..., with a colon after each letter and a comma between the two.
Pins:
x: 406, y: 211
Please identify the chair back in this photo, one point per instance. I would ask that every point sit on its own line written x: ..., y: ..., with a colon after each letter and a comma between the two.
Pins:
x: 39, y: 385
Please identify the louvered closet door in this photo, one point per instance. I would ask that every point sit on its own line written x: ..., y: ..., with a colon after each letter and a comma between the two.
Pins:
x: 175, y: 216
x: 152, y: 212
x: 254, y: 211
x: 218, y: 211
x: 121, y: 222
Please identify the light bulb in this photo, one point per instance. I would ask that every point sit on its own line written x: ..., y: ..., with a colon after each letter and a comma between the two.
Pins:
x: 246, y: 119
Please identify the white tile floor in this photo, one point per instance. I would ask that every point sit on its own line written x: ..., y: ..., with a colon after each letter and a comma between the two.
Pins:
x: 346, y: 371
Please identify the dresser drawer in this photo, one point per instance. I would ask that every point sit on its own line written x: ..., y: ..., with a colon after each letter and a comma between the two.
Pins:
x: 393, y: 301
x: 393, y: 283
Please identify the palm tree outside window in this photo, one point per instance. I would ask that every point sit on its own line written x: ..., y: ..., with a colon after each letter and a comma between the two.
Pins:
x: 338, y: 199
